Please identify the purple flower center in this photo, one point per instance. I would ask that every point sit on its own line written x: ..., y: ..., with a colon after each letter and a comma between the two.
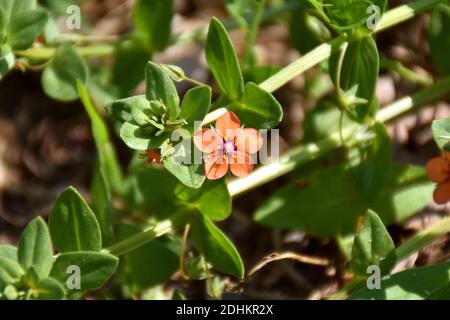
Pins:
x: 228, y: 148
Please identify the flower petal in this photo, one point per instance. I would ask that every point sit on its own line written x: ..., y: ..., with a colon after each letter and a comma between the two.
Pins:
x: 241, y: 165
x: 215, y: 166
x: 437, y: 169
x: 207, y: 140
x: 248, y: 140
x: 227, y: 125
x: 442, y: 193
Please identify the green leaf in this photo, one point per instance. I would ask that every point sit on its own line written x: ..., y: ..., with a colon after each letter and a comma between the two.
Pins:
x: 152, y: 190
x: 49, y: 289
x: 106, y: 152
x: 441, y: 132
x: 73, y: 225
x: 442, y: 293
x: 223, y: 61
x: 12, y: 7
x: 139, y: 138
x: 7, y: 60
x: 195, y: 106
x: 414, y: 284
x: 306, y: 31
x: 151, y: 264
x: 216, y: 247
x: 152, y: 20
x: 371, y: 246
x: 10, y: 271
x: 331, y: 201
x: 258, y: 108
x: 375, y: 167
x: 212, y: 199
x: 131, y: 58
x: 438, y: 38
x: 191, y: 175
x: 120, y: 110
x: 35, y: 248
x: 95, y: 269
x: 160, y: 87
x: 8, y: 251
x: 25, y: 27
x: 101, y: 205
x: 59, y: 79
x: 359, y: 70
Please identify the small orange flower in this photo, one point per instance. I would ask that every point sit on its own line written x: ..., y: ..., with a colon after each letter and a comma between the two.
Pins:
x: 228, y: 146
x: 438, y: 170
x: 152, y: 156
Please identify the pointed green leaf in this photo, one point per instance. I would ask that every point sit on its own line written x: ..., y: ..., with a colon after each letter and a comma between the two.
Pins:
x: 216, y: 247
x: 101, y: 205
x: 35, y: 248
x: 359, y: 70
x: 8, y: 251
x: 152, y: 20
x: 10, y: 271
x: 371, y: 246
x: 160, y: 87
x: 195, y: 106
x: 223, y: 61
x: 73, y: 225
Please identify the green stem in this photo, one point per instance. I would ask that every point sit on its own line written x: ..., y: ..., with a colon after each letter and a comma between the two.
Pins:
x: 405, y: 73
x: 48, y: 53
x: 304, y: 153
x: 141, y: 238
x: 321, y: 53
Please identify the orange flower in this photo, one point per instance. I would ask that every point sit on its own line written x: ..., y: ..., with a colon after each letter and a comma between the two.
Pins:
x: 152, y: 156
x: 228, y: 146
x: 438, y: 170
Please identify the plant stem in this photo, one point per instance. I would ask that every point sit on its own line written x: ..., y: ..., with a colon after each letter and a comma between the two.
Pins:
x: 405, y: 73
x: 252, y: 33
x: 305, y: 153
x: 321, y: 53
x: 48, y: 53
x: 141, y: 238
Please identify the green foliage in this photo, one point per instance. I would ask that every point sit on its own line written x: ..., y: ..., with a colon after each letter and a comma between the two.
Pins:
x: 372, y: 245
x: 441, y: 133
x: 195, y: 106
x: 73, y: 225
x: 212, y: 199
x: 438, y: 38
x: 358, y: 75
x: 152, y: 20
x: 59, y: 79
x: 223, y: 62
x: 95, y: 268
x: 151, y: 264
x: 415, y: 284
x: 258, y: 108
x: 108, y: 161
x: 35, y: 248
x: 331, y: 201
x: 216, y: 247
x: 376, y: 165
